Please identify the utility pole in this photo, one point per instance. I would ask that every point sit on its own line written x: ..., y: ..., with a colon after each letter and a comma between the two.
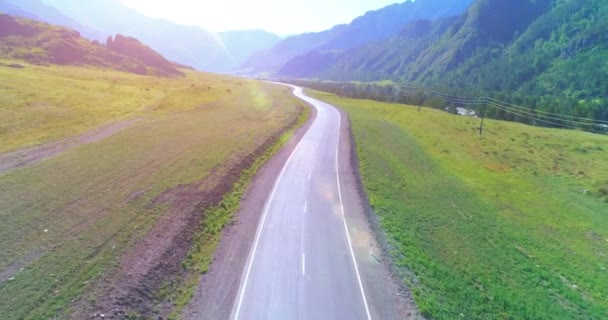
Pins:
x: 483, y: 116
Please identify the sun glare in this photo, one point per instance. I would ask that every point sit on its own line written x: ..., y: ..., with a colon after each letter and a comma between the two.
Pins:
x: 280, y: 17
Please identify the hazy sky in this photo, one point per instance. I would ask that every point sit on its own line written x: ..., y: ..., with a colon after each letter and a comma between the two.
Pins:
x: 282, y: 17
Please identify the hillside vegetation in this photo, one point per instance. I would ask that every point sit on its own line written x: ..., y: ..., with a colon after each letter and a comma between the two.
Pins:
x: 70, y: 223
x: 543, y: 54
x: 41, y: 43
x: 510, y: 226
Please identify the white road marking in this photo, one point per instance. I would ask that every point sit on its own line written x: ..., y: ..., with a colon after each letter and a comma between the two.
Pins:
x: 302, y: 251
x: 309, y: 174
x: 257, y: 236
x: 350, y: 244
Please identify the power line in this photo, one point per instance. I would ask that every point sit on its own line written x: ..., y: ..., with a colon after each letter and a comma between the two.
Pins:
x: 538, y: 117
x: 549, y: 113
x: 549, y: 121
x: 532, y: 114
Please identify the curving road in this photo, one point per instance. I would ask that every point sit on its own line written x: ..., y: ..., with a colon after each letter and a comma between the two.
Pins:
x: 302, y: 264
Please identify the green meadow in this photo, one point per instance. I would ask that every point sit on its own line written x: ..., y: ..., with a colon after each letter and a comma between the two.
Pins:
x: 67, y: 221
x: 510, y: 226
x: 39, y: 104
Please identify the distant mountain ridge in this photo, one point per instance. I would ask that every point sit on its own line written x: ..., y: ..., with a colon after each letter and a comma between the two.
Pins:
x: 189, y: 45
x: 185, y: 44
x: 35, y: 9
x: 42, y: 43
x: 241, y: 44
x: 373, y: 26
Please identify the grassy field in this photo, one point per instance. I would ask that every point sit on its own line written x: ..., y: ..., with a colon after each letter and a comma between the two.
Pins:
x: 67, y: 220
x: 39, y: 104
x: 511, y: 226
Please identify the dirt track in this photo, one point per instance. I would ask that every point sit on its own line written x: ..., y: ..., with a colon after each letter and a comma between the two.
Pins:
x: 25, y: 157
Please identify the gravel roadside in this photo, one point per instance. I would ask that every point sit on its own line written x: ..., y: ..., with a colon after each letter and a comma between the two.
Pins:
x: 214, y: 297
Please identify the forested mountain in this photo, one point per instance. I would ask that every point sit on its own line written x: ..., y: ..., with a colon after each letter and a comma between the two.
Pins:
x: 419, y: 34
x: 42, y: 43
x: 373, y: 26
x: 553, y: 52
x: 426, y: 47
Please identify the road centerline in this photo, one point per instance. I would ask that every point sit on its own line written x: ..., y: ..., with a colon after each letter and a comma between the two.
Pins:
x: 261, y: 228
x: 269, y: 288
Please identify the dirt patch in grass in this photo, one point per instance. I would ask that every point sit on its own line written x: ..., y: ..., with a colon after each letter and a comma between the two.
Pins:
x: 132, y: 288
x: 8, y: 273
x: 21, y: 158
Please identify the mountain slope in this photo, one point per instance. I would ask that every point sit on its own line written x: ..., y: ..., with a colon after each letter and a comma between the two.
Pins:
x: 487, y: 24
x: 188, y: 45
x: 380, y: 60
x: 13, y: 9
x: 35, y: 9
x: 373, y: 26
x: 537, y: 48
x: 41, y: 43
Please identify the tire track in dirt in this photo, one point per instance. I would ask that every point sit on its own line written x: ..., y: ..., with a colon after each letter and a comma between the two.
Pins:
x: 25, y: 157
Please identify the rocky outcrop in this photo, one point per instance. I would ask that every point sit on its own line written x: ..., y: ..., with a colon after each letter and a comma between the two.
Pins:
x: 132, y: 48
x: 41, y: 43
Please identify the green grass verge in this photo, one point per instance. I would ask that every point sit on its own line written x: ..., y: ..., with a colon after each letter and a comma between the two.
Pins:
x: 215, y: 219
x: 511, y: 226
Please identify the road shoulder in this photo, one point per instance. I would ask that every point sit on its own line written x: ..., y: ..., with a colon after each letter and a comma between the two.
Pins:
x: 217, y: 290
x: 388, y: 297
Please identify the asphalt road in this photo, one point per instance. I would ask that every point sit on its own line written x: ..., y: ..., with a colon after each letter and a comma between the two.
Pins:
x: 301, y: 264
